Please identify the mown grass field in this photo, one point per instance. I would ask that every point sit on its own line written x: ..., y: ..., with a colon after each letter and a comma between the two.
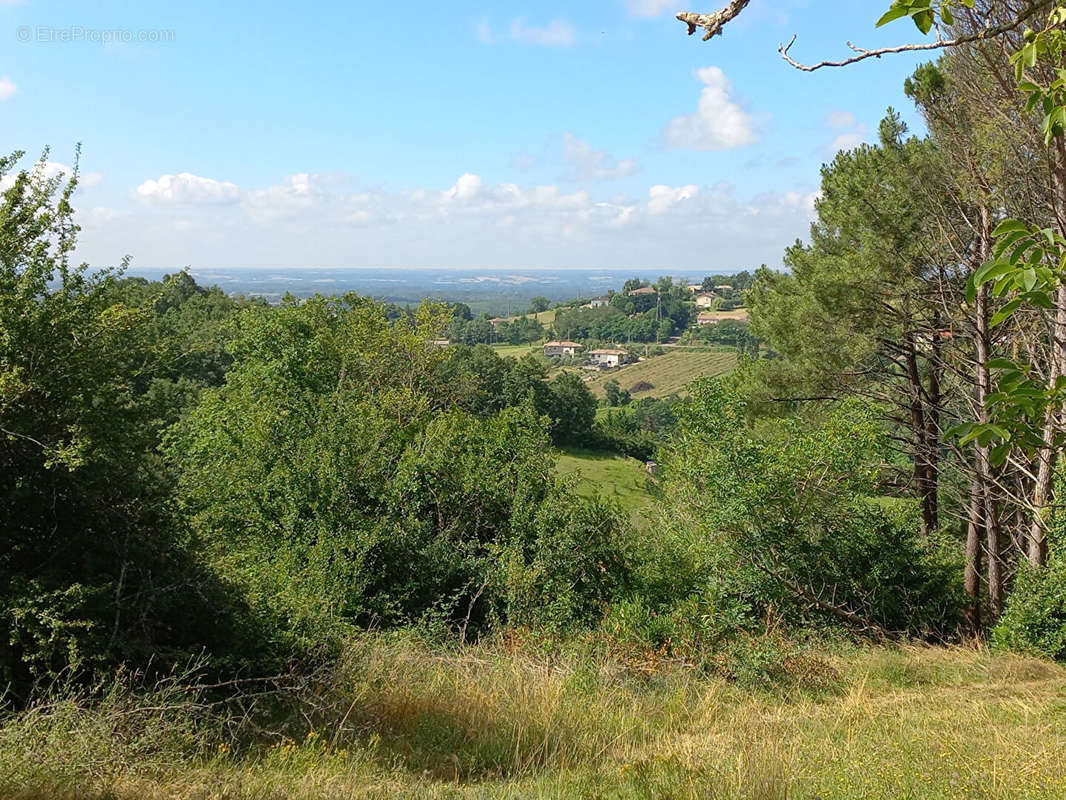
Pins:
x: 611, y: 476
x: 498, y: 721
x: 517, y: 350
x: 545, y: 318
x: 668, y: 373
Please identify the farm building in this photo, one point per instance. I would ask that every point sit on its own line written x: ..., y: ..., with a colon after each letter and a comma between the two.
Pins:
x: 714, y: 317
x: 496, y: 321
x: 706, y: 299
x: 598, y: 302
x: 643, y: 290
x: 557, y: 349
x: 607, y: 358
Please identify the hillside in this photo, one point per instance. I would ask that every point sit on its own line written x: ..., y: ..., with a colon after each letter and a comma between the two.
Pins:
x: 668, y: 373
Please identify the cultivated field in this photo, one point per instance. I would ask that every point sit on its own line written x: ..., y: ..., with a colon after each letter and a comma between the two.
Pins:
x: 504, y: 721
x: 668, y: 373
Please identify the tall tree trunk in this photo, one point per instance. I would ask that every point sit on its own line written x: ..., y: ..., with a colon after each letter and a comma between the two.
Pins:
x: 924, y: 487
x: 972, y: 578
x: 983, y: 385
x: 1041, y: 498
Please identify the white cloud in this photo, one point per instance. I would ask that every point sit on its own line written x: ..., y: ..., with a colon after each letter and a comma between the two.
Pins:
x: 719, y: 122
x: 588, y: 164
x: 845, y: 141
x: 7, y: 88
x: 849, y: 132
x: 557, y: 33
x: 330, y: 220
x: 465, y: 188
x: 54, y: 169
x: 662, y: 198
x: 652, y: 8
x: 186, y: 188
x: 841, y: 119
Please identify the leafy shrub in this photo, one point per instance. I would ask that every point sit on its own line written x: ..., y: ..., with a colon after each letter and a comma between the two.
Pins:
x: 790, y: 524
x: 1035, y: 616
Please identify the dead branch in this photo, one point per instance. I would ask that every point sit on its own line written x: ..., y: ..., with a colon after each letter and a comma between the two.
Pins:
x: 714, y: 22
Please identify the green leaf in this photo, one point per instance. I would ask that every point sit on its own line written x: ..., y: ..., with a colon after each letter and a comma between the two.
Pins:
x: 1001, y: 363
x: 924, y: 20
x: 1005, y: 312
x: 990, y: 271
x: 1008, y: 225
x: 891, y: 15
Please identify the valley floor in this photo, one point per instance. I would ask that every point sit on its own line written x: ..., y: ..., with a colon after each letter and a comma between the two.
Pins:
x: 497, y: 721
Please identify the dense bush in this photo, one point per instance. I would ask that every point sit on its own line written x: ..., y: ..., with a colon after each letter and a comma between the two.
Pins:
x: 793, y: 525
x: 335, y: 480
x: 1035, y: 616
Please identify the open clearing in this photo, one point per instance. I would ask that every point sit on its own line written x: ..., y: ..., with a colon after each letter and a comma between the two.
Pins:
x: 668, y: 373
x: 498, y: 721
x: 611, y: 476
x: 517, y: 350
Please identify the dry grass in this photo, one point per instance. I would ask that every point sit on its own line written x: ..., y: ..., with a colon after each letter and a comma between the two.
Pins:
x: 497, y: 722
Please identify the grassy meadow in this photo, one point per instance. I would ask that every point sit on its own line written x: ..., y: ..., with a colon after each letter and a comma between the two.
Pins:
x: 612, y: 477
x: 402, y: 719
x: 668, y: 373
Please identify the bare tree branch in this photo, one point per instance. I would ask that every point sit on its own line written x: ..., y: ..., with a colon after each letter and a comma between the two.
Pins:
x: 714, y: 22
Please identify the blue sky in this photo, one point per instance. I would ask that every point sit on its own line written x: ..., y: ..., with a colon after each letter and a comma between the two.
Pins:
x: 429, y: 134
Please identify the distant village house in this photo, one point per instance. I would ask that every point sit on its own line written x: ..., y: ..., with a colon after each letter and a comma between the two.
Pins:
x: 607, y: 359
x: 558, y: 349
x: 642, y: 290
x: 706, y: 299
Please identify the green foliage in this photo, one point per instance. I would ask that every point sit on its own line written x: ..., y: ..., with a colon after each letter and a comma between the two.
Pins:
x: 95, y: 566
x: 539, y: 304
x: 614, y: 395
x: 573, y: 410
x: 1035, y: 616
x: 336, y: 481
x: 791, y: 523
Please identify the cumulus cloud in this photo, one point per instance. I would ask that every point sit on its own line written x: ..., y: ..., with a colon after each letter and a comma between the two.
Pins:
x: 329, y: 220
x: 719, y: 122
x: 841, y: 119
x: 54, y: 169
x: 589, y: 164
x: 662, y: 198
x: 845, y: 141
x: 188, y: 189
x: 465, y: 188
x: 651, y: 8
x: 7, y: 88
x: 557, y: 33
x: 850, y: 132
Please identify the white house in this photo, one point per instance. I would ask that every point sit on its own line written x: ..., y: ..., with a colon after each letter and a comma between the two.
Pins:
x: 706, y: 299
x: 599, y: 302
x: 607, y: 358
x: 557, y: 349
